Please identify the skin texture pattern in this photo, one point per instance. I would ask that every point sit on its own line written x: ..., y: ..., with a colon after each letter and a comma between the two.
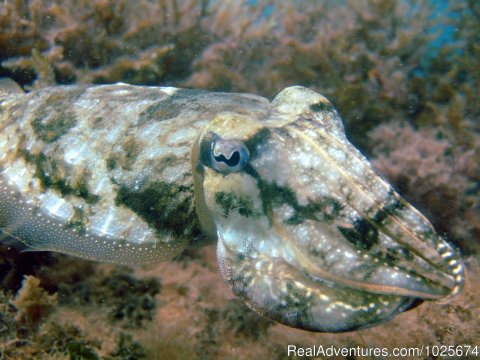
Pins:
x: 307, y: 233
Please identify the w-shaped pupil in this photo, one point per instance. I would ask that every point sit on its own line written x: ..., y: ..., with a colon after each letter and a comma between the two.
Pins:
x: 233, y: 161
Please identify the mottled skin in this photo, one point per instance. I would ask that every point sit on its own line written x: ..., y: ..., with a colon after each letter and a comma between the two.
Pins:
x: 308, y: 233
x: 108, y: 166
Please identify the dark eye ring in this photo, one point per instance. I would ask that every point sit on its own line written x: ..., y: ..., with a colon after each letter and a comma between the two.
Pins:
x: 228, y: 156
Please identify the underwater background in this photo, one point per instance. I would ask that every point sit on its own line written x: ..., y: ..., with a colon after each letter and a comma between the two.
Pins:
x: 405, y: 77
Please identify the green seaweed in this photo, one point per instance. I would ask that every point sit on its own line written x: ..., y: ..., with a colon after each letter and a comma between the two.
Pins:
x: 127, y: 349
x: 79, y: 351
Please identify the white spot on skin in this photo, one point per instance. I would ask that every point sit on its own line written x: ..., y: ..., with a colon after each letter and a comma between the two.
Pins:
x: 17, y: 174
x: 169, y: 90
x: 337, y: 154
x: 88, y: 103
x: 268, y: 166
x: 56, y: 206
x: 181, y: 135
x: 108, y: 223
x: 284, y: 212
x: 174, y: 173
x: 100, y: 185
x: 76, y: 153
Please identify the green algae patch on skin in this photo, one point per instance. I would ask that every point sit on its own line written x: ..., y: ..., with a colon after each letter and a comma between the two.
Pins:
x: 307, y: 233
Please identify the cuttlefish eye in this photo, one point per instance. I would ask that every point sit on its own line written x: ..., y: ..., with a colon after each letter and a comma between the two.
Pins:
x: 228, y: 155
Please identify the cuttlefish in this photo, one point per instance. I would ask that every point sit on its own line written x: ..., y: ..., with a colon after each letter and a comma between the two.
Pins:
x: 308, y: 233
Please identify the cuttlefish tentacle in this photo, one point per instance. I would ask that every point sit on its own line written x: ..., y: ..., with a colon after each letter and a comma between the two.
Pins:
x: 308, y: 233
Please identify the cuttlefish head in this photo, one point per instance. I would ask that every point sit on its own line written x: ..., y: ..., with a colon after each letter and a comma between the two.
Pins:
x: 309, y: 234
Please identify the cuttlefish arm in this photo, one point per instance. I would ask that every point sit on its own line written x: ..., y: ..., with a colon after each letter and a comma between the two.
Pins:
x: 308, y: 233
